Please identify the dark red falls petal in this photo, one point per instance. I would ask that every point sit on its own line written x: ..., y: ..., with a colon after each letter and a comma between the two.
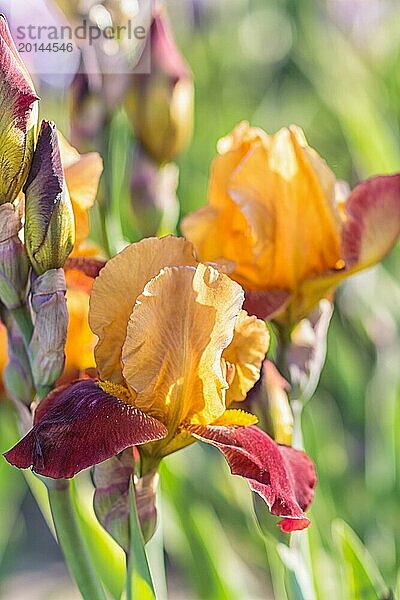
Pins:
x: 89, y: 266
x: 265, y: 305
x: 78, y: 426
x: 284, y: 477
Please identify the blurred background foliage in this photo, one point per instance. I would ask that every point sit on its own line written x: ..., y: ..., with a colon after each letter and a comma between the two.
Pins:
x: 332, y: 67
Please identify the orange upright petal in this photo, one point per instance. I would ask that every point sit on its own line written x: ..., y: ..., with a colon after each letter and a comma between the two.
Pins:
x: 116, y: 289
x: 79, y: 348
x: 286, y: 193
x: 82, y: 175
x: 272, y: 202
x: 176, y: 335
x: 3, y: 352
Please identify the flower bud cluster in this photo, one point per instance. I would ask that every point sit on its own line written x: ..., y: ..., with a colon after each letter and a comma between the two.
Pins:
x: 31, y: 165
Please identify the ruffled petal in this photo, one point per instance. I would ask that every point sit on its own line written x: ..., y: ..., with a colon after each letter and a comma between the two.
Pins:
x: 116, y: 289
x: 284, y: 477
x: 286, y: 193
x: 176, y: 335
x: 246, y: 353
x: 78, y: 426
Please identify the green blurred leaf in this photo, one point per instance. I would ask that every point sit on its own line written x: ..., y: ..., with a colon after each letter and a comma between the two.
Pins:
x: 361, y: 576
x: 12, y: 488
x: 139, y: 585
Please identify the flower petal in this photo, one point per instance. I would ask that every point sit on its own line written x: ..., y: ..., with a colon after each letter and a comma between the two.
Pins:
x: 373, y: 221
x: 82, y: 175
x: 266, y: 305
x: 369, y: 233
x: 285, y: 191
x: 176, y: 335
x: 78, y: 426
x: 89, y: 266
x: 79, y: 347
x: 246, y: 352
x: 115, y: 291
x: 284, y: 477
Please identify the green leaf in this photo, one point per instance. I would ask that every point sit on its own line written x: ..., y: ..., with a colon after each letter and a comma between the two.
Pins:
x: 361, y: 577
x: 12, y: 488
x: 139, y: 584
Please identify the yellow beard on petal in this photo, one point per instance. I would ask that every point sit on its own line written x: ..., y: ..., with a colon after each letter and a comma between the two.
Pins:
x: 118, y: 391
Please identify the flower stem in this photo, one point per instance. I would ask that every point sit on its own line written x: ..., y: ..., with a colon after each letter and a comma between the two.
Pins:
x: 71, y: 541
x: 65, y: 521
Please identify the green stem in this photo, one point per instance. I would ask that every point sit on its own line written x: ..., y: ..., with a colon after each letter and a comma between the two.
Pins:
x: 59, y: 491
x: 71, y: 541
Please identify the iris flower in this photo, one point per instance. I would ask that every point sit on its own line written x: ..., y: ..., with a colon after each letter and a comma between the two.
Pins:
x: 275, y: 216
x: 175, y: 351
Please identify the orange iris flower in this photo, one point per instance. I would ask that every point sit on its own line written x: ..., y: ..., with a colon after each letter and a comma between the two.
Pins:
x: 175, y: 351
x: 275, y: 218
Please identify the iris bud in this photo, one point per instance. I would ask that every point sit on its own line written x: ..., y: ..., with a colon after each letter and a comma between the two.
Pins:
x: 18, y: 118
x: 160, y: 103
x: 49, y: 220
x: 47, y: 345
x: 153, y: 190
x: 14, y: 263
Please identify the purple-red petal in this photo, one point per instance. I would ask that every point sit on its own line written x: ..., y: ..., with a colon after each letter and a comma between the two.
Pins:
x: 284, y: 477
x: 372, y: 226
x: 78, y: 426
x: 266, y: 304
x: 89, y: 266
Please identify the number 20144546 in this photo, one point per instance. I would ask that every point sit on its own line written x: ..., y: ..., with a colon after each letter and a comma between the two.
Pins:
x: 54, y: 47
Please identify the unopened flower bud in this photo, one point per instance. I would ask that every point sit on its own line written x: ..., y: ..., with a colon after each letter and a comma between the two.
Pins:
x: 50, y: 332
x: 111, y: 499
x: 14, y: 264
x: 17, y: 373
x: 160, y: 103
x: 49, y: 218
x: 18, y: 118
x: 154, y: 201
